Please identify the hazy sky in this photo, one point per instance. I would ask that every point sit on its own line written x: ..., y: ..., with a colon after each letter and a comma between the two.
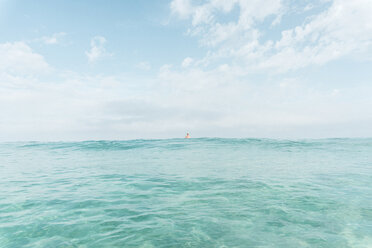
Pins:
x: 78, y: 70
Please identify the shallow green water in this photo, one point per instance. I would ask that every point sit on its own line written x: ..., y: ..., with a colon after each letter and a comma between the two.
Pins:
x: 187, y: 193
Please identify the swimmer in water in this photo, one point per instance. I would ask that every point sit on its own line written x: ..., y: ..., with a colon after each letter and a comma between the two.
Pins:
x: 187, y: 136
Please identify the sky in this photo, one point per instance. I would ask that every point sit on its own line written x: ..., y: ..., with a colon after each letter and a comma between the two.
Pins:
x: 139, y: 69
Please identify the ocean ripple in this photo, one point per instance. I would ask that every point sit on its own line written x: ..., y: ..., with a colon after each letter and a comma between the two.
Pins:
x: 207, y: 192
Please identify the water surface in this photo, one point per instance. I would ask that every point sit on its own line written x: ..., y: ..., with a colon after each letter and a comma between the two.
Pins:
x: 187, y: 193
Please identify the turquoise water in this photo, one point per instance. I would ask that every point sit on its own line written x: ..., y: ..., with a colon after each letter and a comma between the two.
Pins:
x: 187, y: 193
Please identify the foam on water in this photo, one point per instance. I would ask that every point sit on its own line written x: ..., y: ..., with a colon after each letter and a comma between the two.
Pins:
x: 187, y: 193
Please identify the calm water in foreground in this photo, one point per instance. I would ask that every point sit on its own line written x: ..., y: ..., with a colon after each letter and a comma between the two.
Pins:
x: 187, y: 193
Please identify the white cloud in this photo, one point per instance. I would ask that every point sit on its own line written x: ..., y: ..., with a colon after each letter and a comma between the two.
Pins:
x: 187, y: 62
x: 54, y: 38
x: 220, y: 94
x: 18, y: 58
x: 204, y: 18
x: 69, y: 107
x: 308, y: 7
x: 182, y: 8
x: 243, y: 106
x: 213, y: 102
x: 144, y: 65
x: 343, y: 28
x: 97, y: 49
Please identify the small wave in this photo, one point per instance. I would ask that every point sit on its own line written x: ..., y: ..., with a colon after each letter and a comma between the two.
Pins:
x: 179, y: 144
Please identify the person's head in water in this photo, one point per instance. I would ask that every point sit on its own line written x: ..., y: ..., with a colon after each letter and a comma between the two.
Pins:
x: 187, y: 136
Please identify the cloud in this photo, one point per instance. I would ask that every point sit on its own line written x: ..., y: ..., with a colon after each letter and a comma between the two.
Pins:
x: 144, y: 65
x: 231, y: 90
x: 18, y: 58
x: 68, y: 107
x: 216, y: 102
x: 205, y: 21
x: 274, y: 107
x: 341, y: 28
x: 187, y: 62
x: 97, y: 49
x: 53, y: 39
x: 182, y: 8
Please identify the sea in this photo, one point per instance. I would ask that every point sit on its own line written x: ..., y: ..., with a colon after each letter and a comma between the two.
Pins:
x: 201, y: 192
